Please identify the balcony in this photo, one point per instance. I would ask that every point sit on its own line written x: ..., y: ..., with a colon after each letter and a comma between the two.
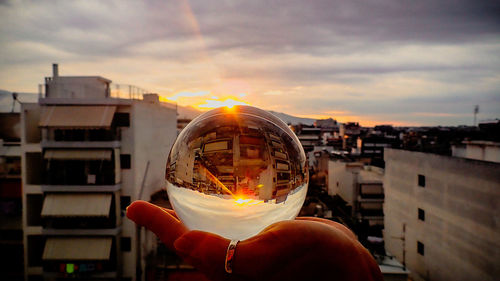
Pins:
x: 70, y: 168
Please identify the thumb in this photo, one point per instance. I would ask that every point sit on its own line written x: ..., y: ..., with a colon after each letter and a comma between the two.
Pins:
x: 205, y: 251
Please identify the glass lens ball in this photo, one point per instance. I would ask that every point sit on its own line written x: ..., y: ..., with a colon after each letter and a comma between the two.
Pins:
x: 235, y: 171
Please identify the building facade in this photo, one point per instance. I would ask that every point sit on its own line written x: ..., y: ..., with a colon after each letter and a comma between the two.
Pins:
x: 85, y: 157
x: 361, y: 187
x: 11, y: 230
x: 478, y: 150
x: 442, y: 215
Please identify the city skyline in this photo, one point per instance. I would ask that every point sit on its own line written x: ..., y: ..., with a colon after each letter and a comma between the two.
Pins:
x: 426, y: 63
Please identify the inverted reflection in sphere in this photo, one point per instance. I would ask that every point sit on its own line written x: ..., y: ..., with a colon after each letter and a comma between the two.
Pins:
x: 235, y: 171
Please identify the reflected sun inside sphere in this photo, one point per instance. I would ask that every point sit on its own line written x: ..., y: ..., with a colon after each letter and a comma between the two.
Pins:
x: 235, y: 170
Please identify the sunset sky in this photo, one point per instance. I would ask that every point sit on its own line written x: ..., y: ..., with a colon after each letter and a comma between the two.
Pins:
x: 376, y: 62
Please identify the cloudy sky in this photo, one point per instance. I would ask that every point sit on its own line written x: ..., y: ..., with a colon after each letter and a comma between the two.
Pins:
x: 393, y: 62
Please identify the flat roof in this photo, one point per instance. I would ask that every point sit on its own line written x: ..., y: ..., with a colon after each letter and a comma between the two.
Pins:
x: 86, y: 77
x: 366, y: 176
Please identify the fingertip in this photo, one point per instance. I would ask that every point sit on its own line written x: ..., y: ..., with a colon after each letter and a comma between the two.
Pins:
x: 136, y: 208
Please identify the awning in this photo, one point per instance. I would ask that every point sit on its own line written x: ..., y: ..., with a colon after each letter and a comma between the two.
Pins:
x: 78, y: 154
x: 76, y: 205
x: 77, y: 117
x: 77, y: 248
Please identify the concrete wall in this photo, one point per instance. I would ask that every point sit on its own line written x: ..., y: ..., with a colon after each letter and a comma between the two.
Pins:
x: 31, y: 178
x: 77, y: 87
x: 486, y: 151
x: 152, y: 132
x: 461, y: 231
x: 342, y: 179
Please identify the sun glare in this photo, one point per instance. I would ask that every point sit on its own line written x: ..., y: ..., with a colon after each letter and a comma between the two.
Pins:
x: 241, y: 201
x: 228, y: 102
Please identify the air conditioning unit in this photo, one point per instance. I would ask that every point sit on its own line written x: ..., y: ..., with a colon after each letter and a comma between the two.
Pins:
x: 91, y: 179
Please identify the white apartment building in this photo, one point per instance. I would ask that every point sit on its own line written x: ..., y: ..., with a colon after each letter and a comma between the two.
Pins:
x: 361, y: 187
x: 478, y: 150
x: 442, y: 215
x: 85, y: 156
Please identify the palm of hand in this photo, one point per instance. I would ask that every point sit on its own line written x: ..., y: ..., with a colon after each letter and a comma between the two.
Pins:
x: 301, y: 249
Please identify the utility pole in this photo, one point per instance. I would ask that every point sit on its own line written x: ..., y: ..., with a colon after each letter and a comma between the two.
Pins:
x: 476, y: 111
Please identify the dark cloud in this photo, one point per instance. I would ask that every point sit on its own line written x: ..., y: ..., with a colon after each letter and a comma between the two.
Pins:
x: 291, y: 43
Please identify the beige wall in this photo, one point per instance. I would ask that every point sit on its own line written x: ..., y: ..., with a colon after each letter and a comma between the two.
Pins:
x: 77, y: 87
x: 486, y: 151
x: 461, y: 231
x: 345, y: 174
x: 153, y: 129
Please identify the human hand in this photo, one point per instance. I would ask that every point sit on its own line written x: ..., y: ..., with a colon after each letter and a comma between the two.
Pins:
x: 301, y: 249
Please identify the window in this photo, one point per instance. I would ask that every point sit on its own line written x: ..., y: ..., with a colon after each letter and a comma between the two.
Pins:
x: 421, y: 180
x: 421, y: 214
x: 36, y: 244
x: 125, y: 244
x: 122, y: 119
x: 124, y: 202
x: 34, y: 203
x: 125, y: 161
x: 420, y: 248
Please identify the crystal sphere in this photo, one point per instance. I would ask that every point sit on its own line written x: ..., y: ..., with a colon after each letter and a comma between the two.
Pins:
x: 235, y: 171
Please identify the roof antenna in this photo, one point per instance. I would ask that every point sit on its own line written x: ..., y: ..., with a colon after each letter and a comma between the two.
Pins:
x: 476, y: 111
x: 14, y: 99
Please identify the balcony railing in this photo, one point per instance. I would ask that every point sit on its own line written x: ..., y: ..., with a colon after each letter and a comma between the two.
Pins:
x: 126, y: 91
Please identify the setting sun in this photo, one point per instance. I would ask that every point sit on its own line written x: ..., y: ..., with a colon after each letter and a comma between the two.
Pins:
x: 228, y: 102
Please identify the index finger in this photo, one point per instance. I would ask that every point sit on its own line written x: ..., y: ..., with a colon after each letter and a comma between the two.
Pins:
x: 159, y: 221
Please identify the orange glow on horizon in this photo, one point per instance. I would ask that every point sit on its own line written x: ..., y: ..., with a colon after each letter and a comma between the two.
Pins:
x: 241, y: 201
x: 229, y: 102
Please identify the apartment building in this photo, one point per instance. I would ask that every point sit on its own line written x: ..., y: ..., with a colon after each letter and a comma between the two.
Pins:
x: 86, y: 154
x: 442, y: 215
x: 361, y: 187
x: 11, y: 230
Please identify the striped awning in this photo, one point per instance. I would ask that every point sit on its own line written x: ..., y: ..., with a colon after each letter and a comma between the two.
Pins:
x: 76, y: 205
x: 78, y: 154
x: 77, y: 248
x: 77, y: 117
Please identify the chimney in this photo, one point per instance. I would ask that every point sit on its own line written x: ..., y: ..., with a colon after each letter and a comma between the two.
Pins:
x: 151, y: 98
x: 55, y: 70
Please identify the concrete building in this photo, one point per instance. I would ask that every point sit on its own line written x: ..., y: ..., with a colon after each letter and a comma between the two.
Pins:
x: 442, y: 215
x: 85, y: 156
x: 309, y: 137
x: 11, y: 230
x: 361, y: 187
x: 478, y: 150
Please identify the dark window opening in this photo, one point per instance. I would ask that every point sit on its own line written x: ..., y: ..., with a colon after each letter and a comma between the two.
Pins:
x: 78, y: 172
x: 35, y: 278
x: 125, y: 161
x: 420, y: 248
x: 421, y: 214
x: 87, y: 135
x: 36, y: 244
x: 421, y: 180
x: 34, y: 203
x: 126, y: 244
x: 124, y: 202
x: 122, y: 119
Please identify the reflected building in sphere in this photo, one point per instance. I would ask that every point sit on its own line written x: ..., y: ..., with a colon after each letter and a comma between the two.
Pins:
x: 241, y: 153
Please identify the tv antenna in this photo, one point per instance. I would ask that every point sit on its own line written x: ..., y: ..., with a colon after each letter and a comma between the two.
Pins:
x: 476, y: 111
x: 14, y: 99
